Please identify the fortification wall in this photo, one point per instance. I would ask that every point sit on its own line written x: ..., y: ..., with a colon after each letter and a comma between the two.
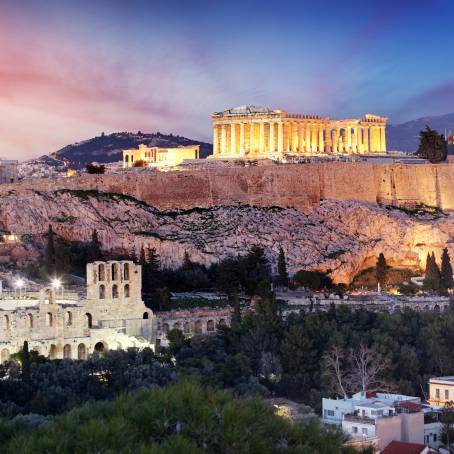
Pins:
x: 293, y: 185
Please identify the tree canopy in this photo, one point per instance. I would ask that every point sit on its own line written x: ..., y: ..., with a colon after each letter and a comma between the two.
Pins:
x: 432, y: 146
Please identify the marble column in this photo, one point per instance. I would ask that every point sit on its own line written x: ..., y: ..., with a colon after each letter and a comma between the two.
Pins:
x: 280, y: 137
x: 366, y: 139
x: 328, y: 145
x: 336, y: 140
x: 348, y: 139
x: 215, y: 140
x: 242, y: 146
x: 307, y: 141
x: 233, y: 150
x: 223, y: 139
x: 355, y: 140
x: 314, y: 144
x: 300, y: 138
x: 252, y: 138
x: 321, y: 140
x: 272, y: 147
x: 383, y: 138
x: 287, y: 134
x: 262, y: 137
x: 359, y: 139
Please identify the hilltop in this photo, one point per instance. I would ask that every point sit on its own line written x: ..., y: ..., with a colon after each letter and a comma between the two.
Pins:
x: 405, y: 136
x: 108, y: 148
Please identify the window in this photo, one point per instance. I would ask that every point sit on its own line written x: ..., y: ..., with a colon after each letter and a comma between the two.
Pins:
x: 437, y: 394
x: 115, y: 291
x: 49, y: 319
x: 102, y: 292
x: 89, y: 320
x: 115, y: 273
x: 126, y: 291
x: 446, y: 394
x: 126, y: 272
x: 101, y: 272
x: 435, y: 437
x: 69, y: 318
x: 330, y: 412
x: 30, y: 321
x: 354, y: 430
x: 364, y: 431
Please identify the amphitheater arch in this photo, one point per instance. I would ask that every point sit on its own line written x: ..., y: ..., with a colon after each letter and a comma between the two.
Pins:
x: 198, y: 326
x: 102, y: 272
x: 67, y: 351
x: 115, y: 291
x: 81, y: 351
x: 100, y: 347
x: 115, y: 269
x: 126, y: 272
x: 30, y: 321
x: 89, y: 320
x: 53, y: 351
x: 210, y: 326
x: 102, y: 292
x: 68, y: 318
x: 177, y: 325
x: 126, y: 291
x: 6, y: 322
x: 186, y: 327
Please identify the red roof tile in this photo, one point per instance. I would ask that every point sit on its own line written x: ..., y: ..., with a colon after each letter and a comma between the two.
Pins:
x: 400, y: 447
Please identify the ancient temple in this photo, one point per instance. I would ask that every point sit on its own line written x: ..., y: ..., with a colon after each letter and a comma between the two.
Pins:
x: 250, y: 131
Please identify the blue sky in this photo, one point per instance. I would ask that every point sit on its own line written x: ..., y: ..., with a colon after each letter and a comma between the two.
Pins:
x: 69, y: 70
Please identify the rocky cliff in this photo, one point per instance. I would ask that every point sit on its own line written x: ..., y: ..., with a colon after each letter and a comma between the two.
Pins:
x: 341, y: 236
x: 300, y: 186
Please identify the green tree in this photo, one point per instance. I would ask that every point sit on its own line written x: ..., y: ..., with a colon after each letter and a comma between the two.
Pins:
x: 282, y: 278
x: 447, y: 280
x: 49, y: 254
x: 95, y: 169
x: 381, y: 270
x: 176, y: 340
x: 94, y: 248
x: 26, y: 374
x: 433, y: 277
x: 432, y: 146
x: 161, y: 299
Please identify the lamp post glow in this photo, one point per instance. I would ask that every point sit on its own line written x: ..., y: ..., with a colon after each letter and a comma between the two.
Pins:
x: 18, y: 285
x: 56, y: 284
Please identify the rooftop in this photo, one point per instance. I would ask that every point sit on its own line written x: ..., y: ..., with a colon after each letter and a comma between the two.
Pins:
x: 400, y: 447
x: 246, y: 109
x: 447, y: 378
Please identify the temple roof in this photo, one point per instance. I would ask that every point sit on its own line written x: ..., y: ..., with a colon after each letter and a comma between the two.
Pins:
x: 246, y: 109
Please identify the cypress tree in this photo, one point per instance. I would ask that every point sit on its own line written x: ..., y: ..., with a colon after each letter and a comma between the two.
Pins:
x: 447, y: 280
x: 432, y: 277
x: 381, y: 270
x: 187, y: 263
x: 50, y: 256
x: 427, y: 270
x: 25, y: 363
x: 282, y: 269
x: 94, y: 252
x: 436, y: 273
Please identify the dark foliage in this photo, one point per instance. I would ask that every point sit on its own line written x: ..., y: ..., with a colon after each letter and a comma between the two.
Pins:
x: 432, y: 146
x: 95, y: 169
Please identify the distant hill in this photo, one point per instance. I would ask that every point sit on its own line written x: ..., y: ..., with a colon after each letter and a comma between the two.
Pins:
x: 108, y: 148
x: 405, y: 136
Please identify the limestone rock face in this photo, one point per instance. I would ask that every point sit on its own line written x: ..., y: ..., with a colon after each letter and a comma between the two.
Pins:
x: 342, y: 237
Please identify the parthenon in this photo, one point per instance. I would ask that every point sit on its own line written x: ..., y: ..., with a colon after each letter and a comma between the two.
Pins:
x: 249, y: 131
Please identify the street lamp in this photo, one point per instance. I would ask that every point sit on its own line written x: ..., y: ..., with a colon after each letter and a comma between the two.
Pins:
x: 56, y: 284
x: 18, y: 285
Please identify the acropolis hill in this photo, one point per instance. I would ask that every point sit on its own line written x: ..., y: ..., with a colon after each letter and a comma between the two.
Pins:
x: 327, y: 216
x: 291, y: 185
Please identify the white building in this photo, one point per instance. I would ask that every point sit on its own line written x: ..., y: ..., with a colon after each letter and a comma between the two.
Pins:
x: 377, y: 418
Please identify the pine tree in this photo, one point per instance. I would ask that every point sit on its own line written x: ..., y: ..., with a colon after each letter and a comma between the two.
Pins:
x: 25, y: 363
x: 50, y: 256
x: 94, y: 251
x: 282, y: 269
x: 381, y: 270
x: 447, y: 280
